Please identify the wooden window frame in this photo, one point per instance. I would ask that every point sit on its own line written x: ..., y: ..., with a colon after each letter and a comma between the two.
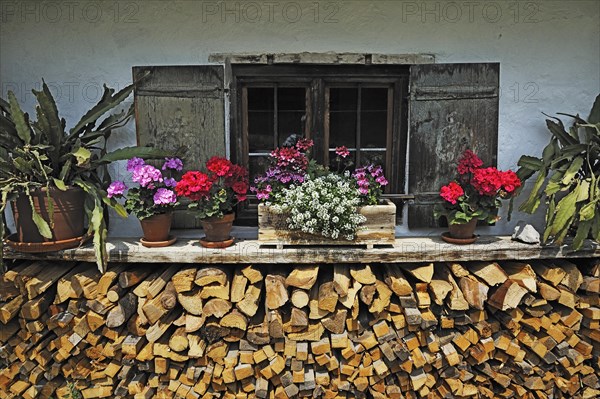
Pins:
x: 318, y: 78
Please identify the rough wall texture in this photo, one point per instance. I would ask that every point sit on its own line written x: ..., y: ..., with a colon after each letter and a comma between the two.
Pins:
x: 455, y: 330
x: 549, y: 51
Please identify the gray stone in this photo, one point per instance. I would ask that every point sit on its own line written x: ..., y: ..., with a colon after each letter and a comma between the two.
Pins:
x: 526, y: 233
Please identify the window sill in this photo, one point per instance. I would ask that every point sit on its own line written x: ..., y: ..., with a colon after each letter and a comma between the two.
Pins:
x: 246, y: 250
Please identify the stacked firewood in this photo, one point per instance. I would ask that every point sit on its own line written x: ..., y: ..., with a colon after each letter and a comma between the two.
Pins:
x: 508, y: 329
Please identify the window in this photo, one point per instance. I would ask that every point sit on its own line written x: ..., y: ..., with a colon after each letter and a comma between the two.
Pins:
x: 417, y: 133
x: 362, y: 108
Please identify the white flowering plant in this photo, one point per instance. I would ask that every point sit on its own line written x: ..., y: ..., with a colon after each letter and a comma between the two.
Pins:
x: 314, y: 199
x: 325, y: 205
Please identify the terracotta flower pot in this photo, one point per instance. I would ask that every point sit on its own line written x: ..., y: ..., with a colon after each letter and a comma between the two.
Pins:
x: 157, y: 227
x: 66, y: 223
x: 218, y: 229
x: 463, y: 231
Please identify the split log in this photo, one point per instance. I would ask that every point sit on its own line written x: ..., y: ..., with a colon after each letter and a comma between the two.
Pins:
x: 422, y: 272
x: 455, y: 299
x: 299, y: 298
x: 238, y: 286
x: 211, y: 275
x: 133, y: 276
x: 522, y: 273
x: 276, y: 292
x: 490, y: 272
x: 363, y: 274
x: 64, y: 289
x: 341, y: 279
x: 252, y: 274
x: 508, y: 295
x: 183, y: 280
x: 303, y: 277
x: 474, y: 291
x: 123, y: 311
x: 110, y: 277
x: 395, y: 279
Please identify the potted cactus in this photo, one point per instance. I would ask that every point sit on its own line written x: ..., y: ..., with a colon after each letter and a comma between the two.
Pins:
x: 568, y: 179
x: 54, y: 178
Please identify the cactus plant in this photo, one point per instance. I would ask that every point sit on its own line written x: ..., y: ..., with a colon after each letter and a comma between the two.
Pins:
x: 41, y: 153
x: 568, y: 179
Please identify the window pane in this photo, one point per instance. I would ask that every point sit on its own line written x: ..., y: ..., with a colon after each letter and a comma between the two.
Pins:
x: 343, y: 99
x: 342, y: 116
x: 291, y: 104
x: 373, y: 123
x: 374, y: 98
x: 260, y: 130
x: 291, y: 98
x: 374, y: 157
x: 260, y: 118
x: 260, y: 98
x: 257, y: 166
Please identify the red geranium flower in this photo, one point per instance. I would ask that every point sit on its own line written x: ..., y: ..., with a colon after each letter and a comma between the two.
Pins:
x: 219, y: 166
x: 342, y: 151
x: 510, y: 181
x: 469, y: 162
x: 194, y: 185
x: 487, y: 181
x: 304, y: 144
x: 240, y: 187
x: 452, y: 192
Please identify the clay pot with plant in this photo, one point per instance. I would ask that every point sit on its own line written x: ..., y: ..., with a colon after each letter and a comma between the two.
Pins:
x: 214, y: 195
x: 55, y: 178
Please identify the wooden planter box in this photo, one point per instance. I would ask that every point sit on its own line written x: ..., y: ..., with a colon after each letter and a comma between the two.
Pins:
x: 378, y: 229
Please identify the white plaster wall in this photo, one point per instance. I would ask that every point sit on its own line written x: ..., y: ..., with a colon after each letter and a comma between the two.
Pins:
x: 549, y: 51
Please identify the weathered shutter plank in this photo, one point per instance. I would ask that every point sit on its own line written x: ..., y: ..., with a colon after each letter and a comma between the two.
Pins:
x: 452, y: 107
x: 182, y: 107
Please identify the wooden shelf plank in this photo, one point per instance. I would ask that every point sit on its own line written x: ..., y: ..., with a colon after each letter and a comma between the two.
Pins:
x: 406, y: 249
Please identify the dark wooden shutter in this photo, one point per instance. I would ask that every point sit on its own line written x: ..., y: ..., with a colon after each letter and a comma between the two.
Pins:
x: 182, y: 106
x: 452, y: 107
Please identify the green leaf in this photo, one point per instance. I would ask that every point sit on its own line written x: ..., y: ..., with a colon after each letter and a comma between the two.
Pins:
x: 140, y: 152
x: 59, y: 184
x: 121, y: 211
x: 534, y: 198
x: 587, y: 211
x: 550, y: 212
x: 558, y: 130
x: 82, y: 155
x: 95, y: 212
x: 4, y: 106
x: 106, y: 103
x: 65, y: 170
x: 549, y: 151
x: 22, y: 165
x: 583, y: 230
x: 20, y: 118
x: 531, y: 163
x: 8, y: 132
x: 552, y: 188
x: 565, y: 211
x: 584, y: 192
x: 49, y: 120
x: 572, y: 150
x: 524, y: 174
x: 596, y: 227
x: 115, y: 120
x: 100, y: 233
x: 41, y: 224
x: 572, y: 171
x: 595, y: 112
